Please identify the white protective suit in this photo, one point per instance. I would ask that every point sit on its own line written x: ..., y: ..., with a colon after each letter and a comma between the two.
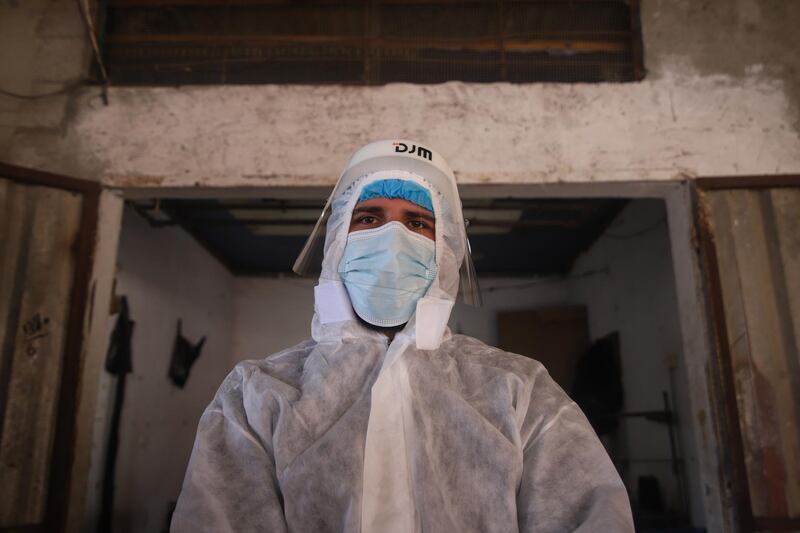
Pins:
x: 431, y: 432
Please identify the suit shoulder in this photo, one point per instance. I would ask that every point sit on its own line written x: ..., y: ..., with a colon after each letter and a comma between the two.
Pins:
x: 283, y: 368
x: 469, y: 350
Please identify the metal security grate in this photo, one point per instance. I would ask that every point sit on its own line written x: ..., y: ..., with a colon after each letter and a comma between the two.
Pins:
x: 173, y: 42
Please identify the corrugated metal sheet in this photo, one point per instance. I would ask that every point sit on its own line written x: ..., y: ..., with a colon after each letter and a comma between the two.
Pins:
x: 756, y: 239
x: 39, y: 229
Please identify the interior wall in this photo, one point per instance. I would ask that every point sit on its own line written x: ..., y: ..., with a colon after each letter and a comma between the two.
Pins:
x: 166, y: 275
x: 720, y: 98
x: 506, y: 294
x: 635, y: 295
x: 270, y: 315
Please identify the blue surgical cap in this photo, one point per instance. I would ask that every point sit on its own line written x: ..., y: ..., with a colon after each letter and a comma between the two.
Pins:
x: 397, y: 188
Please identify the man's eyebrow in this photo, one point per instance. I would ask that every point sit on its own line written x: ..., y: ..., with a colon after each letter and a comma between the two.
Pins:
x: 422, y: 213
x: 374, y: 209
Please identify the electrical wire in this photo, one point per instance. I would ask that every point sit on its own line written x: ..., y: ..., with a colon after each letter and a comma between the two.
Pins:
x: 68, y: 87
x: 544, y: 281
x: 83, y: 5
x: 636, y: 233
x: 63, y: 90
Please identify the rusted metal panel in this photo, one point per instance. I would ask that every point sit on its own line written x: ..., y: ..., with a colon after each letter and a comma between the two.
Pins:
x: 754, y: 235
x: 782, y: 215
x: 372, y: 41
x: 40, y: 228
x: 715, y: 251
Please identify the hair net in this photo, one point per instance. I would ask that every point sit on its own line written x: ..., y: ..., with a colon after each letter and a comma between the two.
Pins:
x: 397, y: 189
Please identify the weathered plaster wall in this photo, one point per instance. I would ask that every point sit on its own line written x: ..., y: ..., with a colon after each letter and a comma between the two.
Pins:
x: 720, y: 98
x: 166, y: 276
x: 43, y: 50
x: 270, y: 315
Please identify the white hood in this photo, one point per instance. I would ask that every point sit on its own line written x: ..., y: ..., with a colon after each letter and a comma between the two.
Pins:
x: 333, y: 313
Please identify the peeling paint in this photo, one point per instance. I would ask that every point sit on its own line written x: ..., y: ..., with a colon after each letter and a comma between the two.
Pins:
x: 135, y: 181
x: 666, y: 129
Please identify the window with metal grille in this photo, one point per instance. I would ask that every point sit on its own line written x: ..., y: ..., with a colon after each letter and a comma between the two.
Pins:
x: 175, y: 42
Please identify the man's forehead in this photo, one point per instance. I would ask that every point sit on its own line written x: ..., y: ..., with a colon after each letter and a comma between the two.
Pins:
x: 379, y: 205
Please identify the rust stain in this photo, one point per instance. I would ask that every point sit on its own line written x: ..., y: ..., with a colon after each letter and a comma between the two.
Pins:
x: 290, y: 179
x: 133, y: 181
x: 765, y: 459
x: 773, y: 471
x: 265, y: 177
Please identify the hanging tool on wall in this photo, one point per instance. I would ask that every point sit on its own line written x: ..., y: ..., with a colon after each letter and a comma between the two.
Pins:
x: 118, y: 363
x: 184, y: 354
x: 597, y: 388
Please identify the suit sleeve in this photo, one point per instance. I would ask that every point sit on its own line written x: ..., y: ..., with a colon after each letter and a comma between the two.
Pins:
x: 231, y: 482
x: 568, y: 482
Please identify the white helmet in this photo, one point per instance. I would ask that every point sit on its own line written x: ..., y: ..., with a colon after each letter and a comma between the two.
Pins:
x: 399, y: 156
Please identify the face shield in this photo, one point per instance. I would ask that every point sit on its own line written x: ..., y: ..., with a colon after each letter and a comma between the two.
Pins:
x: 402, y: 157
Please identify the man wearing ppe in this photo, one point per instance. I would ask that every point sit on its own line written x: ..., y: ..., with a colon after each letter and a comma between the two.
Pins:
x: 385, y: 421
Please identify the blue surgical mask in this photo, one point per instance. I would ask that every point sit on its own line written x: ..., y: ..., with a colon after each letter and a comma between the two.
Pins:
x: 386, y: 270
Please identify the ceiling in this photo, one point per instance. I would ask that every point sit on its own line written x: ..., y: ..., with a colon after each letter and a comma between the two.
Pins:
x: 507, y: 236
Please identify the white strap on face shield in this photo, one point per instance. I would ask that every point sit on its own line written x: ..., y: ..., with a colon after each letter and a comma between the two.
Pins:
x: 431, y: 321
x: 332, y: 303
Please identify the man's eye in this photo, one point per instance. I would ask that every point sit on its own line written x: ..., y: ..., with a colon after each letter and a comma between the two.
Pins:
x: 417, y: 224
x: 367, y: 220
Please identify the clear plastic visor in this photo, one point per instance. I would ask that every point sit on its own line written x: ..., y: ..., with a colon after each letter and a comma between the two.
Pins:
x: 309, y: 262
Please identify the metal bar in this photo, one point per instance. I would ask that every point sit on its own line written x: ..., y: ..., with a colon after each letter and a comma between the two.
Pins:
x: 516, y: 44
x: 500, y: 41
x: 621, y: 34
x: 776, y: 523
x: 83, y: 6
x: 637, y: 45
x: 748, y: 182
x: 722, y: 381
x: 63, y: 450
x: 661, y: 416
x: 214, y: 3
x: 429, y: 61
x: 37, y: 177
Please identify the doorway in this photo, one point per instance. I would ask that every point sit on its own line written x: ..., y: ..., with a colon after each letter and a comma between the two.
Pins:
x: 609, y: 254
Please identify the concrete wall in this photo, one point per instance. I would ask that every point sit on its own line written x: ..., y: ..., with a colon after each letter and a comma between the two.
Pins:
x: 636, y: 296
x: 720, y: 98
x: 43, y: 50
x: 506, y: 294
x: 270, y: 315
x: 166, y: 275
